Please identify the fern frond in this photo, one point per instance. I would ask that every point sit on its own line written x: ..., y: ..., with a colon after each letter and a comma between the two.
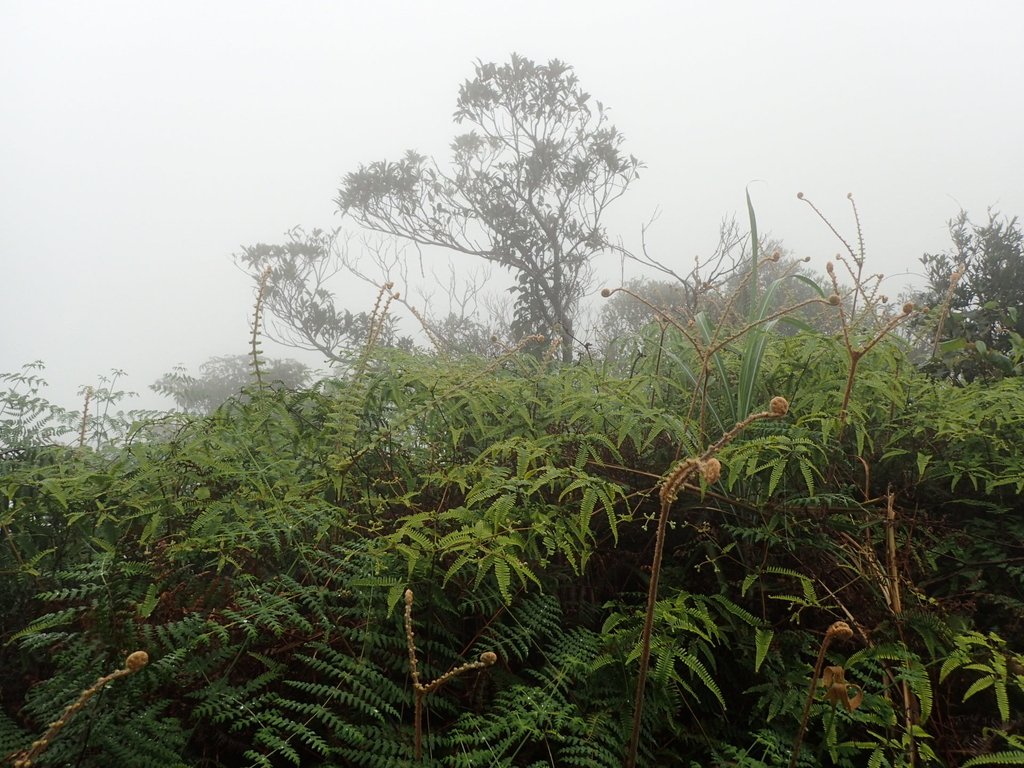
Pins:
x: 1009, y: 757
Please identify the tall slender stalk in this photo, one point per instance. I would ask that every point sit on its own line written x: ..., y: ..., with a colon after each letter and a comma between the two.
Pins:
x: 257, y: 325
x: 85, y: 417
x: 839, y: 630
x: 421, y: 690
x: 25, y: 758
x: 673, y: 482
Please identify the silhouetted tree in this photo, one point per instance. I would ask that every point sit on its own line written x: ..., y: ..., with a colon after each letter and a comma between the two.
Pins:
x: 528, y: 188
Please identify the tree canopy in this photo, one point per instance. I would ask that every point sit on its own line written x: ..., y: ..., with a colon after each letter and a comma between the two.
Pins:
x: 977, y: 291
x: 221, y: 378
x: 293, y: 281
x: 528, y: 188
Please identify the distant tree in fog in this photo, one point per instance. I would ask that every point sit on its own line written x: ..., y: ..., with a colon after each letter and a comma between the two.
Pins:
x: 528, y: 188
x: 975, y: 294
x: 221, y: 378
x: 301, y: 308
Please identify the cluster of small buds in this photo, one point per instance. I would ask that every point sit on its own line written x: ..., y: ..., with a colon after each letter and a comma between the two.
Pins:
x: 675, y: 479
x: 711, y: 470
x: 486, y: 659
x: 136, y: 661
x: 840, y: 630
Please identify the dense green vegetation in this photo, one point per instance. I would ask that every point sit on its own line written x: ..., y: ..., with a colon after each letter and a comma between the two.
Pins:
x: 809, y: 545
x: 260, y: 554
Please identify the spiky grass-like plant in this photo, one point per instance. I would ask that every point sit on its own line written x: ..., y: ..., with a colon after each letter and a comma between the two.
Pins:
x: 754, y: 319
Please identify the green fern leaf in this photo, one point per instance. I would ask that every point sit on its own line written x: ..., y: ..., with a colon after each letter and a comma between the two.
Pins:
x: 1011, y: 757
x: 978, y: 685
x: 762, y: 642
x: 694, y: 664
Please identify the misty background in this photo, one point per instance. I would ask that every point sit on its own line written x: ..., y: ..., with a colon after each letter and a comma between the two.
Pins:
x: 143, y: 144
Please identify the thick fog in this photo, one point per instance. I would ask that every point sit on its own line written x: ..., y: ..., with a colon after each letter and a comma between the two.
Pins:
x: 142, y: 144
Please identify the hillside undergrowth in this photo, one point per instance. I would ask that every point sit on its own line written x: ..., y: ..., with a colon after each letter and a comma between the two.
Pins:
x: 260, y: 556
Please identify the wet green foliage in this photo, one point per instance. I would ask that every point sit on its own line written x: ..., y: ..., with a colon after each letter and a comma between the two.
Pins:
x: 259, y: 555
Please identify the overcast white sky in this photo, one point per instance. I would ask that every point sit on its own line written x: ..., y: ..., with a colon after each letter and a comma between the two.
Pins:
x: 142, y: 143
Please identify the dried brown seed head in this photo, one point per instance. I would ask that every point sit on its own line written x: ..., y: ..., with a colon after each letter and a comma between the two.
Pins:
x: 712, y: 470
x: 136, y: 661
x: 837, y: 690
x: 779, y: 406
x: 834, y: 300
x: 839, y: 631
x: 908, y: 308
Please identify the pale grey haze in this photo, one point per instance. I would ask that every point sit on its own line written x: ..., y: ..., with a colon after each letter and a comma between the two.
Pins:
x: 143, y: 143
